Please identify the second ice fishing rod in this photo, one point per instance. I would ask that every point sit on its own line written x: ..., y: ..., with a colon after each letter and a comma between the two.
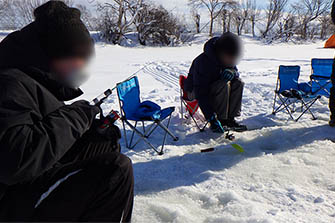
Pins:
x: 104, y: 96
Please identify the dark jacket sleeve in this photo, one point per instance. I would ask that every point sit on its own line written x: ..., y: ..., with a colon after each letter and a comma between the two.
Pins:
x: 201, y: 82
x: 333, y: 12
x: 31, y: 144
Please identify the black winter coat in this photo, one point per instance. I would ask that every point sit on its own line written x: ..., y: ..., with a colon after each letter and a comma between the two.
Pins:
x: 36, y: 127
x: 205, y: 70
x: 333, y: 13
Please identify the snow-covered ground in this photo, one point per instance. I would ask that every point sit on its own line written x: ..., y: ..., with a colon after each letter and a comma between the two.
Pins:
x: 287, y: 172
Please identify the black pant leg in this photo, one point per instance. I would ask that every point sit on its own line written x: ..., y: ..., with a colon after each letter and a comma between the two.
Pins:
x: 219, y: 99
x: 100, y: 189
x: 236, y: 95
x: 332, y: 95
x: 114, y: 204
x: 227, y: 98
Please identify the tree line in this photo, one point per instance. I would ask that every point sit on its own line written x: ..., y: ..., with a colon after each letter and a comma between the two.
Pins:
x: 155, y: 25
x: 280, y: 19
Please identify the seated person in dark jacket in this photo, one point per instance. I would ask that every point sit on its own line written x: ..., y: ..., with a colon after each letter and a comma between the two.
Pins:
x: 214, y: 81
x: 332, y: 91
x: 54, y: 164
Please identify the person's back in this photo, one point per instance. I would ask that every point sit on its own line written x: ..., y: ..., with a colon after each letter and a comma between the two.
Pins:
x: 54, y: 165
x: 205, y: 69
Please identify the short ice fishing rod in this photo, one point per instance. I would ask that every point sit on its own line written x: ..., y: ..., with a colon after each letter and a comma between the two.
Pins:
x: 113, y: 116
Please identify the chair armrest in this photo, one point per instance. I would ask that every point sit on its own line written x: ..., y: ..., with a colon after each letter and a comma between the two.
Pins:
x: 313, y: 77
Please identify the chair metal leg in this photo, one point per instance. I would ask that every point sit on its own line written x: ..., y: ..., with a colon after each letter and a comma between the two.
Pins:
x: 145, y: 134
x: 195, y: 121
x: 274, y: 104
x: 308, y: 107
x: 143, y: 126
x: 181, y: 105
x: 164, y: 139
x: 132, y: 137
x: 285, y: 102
x: 323, y: 87
x: 151, y: 130
x: 286, y: 107
x: 167, y: 130
x: 125, y: 133
x: 142, y: 136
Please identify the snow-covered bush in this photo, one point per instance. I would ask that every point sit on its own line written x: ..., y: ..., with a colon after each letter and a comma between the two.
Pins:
x: 159, y: 27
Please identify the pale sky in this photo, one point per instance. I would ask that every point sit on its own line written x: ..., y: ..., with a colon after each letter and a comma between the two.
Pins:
x: 169, y: 4
x: 177, y: 6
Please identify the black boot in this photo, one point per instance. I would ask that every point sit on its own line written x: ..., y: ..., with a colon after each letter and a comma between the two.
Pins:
x: 332, y: 122
x: 332, y: 112
x: 234, y: 125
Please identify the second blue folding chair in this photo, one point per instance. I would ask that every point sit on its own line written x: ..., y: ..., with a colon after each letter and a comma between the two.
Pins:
x: 321, y: 76
x: 135, y: 112
x: 292, y: 97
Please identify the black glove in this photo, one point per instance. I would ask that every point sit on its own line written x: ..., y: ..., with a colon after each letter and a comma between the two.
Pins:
x: 106, y: 130
x: 90, y: 111
x: 228, y: 75
x: 93, y: 144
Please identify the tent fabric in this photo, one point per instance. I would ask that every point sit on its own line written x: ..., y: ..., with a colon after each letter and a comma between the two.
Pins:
x: 330, y: 42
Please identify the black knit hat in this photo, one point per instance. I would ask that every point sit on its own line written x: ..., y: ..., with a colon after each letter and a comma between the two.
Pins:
x: 62, y: 32
x: 229, y: 43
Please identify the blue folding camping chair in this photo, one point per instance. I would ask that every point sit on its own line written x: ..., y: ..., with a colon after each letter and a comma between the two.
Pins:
x: 133, y: 110
x: 289, y: 93
x: 321, y: 76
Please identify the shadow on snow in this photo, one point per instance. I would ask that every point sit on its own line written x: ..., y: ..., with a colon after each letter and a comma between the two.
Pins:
x: 190, y: 169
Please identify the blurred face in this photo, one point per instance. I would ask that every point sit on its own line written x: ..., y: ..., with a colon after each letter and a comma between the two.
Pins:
x: 229, y: 60
x: 70, y: 71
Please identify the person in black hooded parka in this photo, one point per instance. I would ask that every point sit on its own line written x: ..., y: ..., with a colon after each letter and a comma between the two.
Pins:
x: 214, y: 81
x: 332, y: 91
x: 54, y: 165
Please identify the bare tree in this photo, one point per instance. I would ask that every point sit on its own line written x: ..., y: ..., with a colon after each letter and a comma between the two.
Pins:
x: 308, y: 11
x: 241, y: 15
x: 143, y: 21
x: 287, y: 26
x: 254, y: 16
x: 327, y: 27
x: 227, y: 14
x: 214, y: 8
x: 157, y: 26
x: 118, y: 17
x: 19, y: 13
x: 165, y: 29
x: 196, y: 19
x: 274, y: 12
x: 87, y: 17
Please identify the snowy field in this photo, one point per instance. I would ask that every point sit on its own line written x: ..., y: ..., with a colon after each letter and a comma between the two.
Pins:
x: 287, y: 172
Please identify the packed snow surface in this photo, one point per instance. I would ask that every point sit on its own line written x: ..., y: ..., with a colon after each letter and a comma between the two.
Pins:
x: 286, y: 173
